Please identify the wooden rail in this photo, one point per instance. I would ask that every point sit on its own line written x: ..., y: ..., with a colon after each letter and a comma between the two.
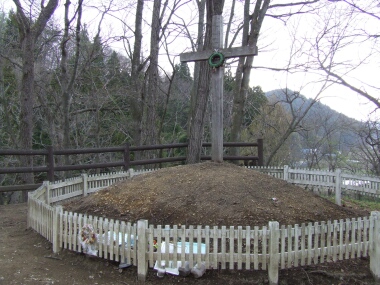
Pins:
x: 126, y: 163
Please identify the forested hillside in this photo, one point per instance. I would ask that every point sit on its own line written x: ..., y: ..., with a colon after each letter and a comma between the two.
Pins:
x: 319, y: 137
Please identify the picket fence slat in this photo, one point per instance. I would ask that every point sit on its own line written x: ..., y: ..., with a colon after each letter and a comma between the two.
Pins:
x: 247, y: 247
x: 347, y: 239
x: 199, y: 244
x: 365, y: 236
x: 289, y: 255
x: 215, y: 247
x: 335, y: 241
x: 256, y: 248
x: 359, y: 238
x: 191, y: 246
x: 264, y: 248
x: 303, y: 237
x: 282, y: 244
x: 231, y: 250
x: 223, y: 241
x: 207, y: 242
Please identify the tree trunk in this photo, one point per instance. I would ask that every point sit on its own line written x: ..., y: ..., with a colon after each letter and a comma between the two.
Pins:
x: 199, y: 46
x: 239, y: 97
x: 67, y: 82
x: 243, y: 71
x: 29, y: 30
x: 26, y: 106
x: 153, y: 82
x: 136, y: 80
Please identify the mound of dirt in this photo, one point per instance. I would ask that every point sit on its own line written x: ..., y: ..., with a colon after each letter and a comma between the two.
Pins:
x: 210, y: 194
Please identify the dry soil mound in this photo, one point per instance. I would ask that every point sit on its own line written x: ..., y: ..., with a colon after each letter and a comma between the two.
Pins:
x: 209, y: 194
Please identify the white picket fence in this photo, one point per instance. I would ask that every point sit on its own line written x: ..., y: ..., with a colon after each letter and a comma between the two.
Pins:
x: 335, y: 182
x: 271, y: 247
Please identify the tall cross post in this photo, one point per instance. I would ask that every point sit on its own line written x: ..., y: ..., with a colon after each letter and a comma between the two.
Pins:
x: 216, y: 58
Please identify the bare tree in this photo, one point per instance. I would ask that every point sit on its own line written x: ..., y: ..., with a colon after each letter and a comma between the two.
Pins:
x: 67, y: 81
x: 341, y: 28
x: 153, y: 78
x: 270, y: 124
x: 251, y: 29
x: 294, y: 122
x: 369, y: 149
x: 243, y: 71
x: 136, y: 68
x: 30, y: 28
x: 323, y: 136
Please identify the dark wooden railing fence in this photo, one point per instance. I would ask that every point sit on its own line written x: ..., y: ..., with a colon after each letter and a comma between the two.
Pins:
x: 126, y: 163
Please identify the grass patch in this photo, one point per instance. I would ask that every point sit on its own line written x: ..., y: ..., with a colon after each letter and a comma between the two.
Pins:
x: 363, y: 203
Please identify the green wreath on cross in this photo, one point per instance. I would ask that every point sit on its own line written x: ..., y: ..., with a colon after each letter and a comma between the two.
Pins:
x: 216, y: 59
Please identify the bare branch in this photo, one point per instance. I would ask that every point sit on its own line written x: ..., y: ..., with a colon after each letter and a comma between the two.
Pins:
x: 293, y: 4
x: 361, y: 10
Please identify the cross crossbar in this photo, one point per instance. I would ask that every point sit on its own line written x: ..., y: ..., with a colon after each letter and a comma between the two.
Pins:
x: 217, y: 81
x: 227, y: 52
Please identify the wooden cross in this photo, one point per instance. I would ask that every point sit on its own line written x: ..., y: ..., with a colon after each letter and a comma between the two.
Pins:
x: 217, y: 81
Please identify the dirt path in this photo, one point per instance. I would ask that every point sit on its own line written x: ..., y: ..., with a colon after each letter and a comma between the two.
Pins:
x: 27, y: 258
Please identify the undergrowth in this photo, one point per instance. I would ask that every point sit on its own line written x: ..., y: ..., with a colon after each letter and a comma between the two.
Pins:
x: 363, y: 203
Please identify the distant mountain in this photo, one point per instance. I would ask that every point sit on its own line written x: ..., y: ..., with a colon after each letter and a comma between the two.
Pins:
x: 320, y: 120
x: 299, y: 103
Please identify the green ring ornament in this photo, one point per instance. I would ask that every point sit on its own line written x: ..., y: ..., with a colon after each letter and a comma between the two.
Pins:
x: 216, y: 60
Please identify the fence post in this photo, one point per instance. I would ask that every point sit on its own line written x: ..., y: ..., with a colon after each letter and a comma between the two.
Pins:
x: 142, y: 245
x: 374, y: 260
x: 273, y: 253
x: 56, y: 245
x: 260, y: 151
x: 338, y: 189
x: 29, y: 203
x: 50, y: 161
x: 286, y: 172
x: 127, y: 159
x: 130, y: 173
x: 47, y: 187
x: 85, y: 185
